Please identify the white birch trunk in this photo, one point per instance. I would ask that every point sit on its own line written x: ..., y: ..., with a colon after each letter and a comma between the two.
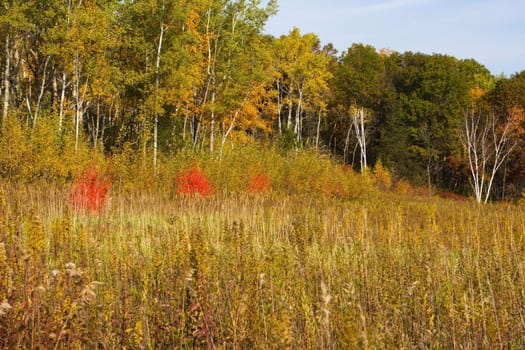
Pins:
x: 297, y: 128
x: 290, y: 108
x: 41, y: 93
x: 487, y: 151
x: 363, y: 138
x: 318, y: 131
x: 62, y: 100
x: 227, y: 133
x: 7, y: 87
x: 76, y: 97
x: 358, y: 121
x: 157, y: 85
x: 185, y: 124
x: 212, y: 123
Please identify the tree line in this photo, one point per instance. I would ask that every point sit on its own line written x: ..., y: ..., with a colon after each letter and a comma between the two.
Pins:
x: 158, y: 76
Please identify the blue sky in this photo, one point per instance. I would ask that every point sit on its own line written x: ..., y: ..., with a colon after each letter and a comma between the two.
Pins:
x: 490, y: 31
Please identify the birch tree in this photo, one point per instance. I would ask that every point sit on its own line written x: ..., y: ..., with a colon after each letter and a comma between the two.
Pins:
x: 487, y: 144
x: 14, y: 24
x: 158, y: 54
x: 302, y: 78
x: 358, y: 81
x: 358, y: 121
x: 234, y: 59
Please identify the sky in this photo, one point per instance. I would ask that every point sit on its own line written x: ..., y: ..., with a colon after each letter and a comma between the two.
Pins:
x: 490, y: 31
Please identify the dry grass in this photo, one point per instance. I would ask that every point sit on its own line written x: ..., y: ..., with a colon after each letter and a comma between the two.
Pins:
x: 273, y: 271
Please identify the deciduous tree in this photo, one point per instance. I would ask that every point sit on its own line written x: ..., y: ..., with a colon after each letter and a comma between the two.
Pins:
x: 488, y: 143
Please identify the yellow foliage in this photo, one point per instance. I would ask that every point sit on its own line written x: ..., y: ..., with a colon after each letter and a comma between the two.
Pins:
x: 382, y: 176
x: 42, y: 153
x: 35, y: 236
x: 476, y: 94
x: 403, y: 188
x: 5, y: 274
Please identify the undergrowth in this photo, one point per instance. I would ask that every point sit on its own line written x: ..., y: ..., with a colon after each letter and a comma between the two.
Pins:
x: 289, y: 251
x: 240, y: 271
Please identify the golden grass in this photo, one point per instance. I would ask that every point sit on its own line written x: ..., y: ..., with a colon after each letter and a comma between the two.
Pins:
x: 270, y: 272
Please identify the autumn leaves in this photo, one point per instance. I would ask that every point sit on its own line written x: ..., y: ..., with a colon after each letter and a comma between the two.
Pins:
x: 91, y: 189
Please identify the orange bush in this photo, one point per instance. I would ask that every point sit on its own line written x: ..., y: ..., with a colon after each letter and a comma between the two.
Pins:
x: 260, y: 183
x: 90, y: 192
x: 193, y: 182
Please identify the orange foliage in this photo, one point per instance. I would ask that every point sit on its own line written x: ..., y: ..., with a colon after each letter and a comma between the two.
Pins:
x: 260, y: 183
x: 516, y: 120
x: 193, y: 182
x: 90, y: 192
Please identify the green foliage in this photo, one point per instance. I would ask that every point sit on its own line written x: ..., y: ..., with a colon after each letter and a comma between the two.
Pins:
x: 360, y: 78
x: 424, y: 114
x: 507, y: 101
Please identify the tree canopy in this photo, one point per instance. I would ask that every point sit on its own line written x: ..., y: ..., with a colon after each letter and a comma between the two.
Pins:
x: 160, y: 76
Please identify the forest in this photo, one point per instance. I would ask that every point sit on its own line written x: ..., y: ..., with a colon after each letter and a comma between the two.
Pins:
x: 158, y: 77
x: 172, y: 177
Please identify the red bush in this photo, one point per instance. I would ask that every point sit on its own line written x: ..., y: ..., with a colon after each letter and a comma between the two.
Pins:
x: 90, y: 192
x: 260, y: 183
x: 193, y: 182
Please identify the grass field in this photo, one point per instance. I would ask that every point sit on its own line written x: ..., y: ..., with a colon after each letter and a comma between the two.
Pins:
x: 259, y: 271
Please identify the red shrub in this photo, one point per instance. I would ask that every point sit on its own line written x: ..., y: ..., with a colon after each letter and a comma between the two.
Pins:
x: 90, y: 192
x: 193, y: 182
x: 260, y: 183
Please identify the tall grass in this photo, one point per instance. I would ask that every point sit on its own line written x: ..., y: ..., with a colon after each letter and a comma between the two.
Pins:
x: 276, y: 270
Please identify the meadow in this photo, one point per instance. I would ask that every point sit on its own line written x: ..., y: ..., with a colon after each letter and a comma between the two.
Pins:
x: 323, y: 258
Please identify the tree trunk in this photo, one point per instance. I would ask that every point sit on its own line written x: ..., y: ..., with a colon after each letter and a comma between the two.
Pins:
x: 318, y: 132
x: 185, y: 125
x: 41, y: 93
x: 54, y: 86
x: 363, y: 136
x: 96, y: 127
x: 157, y: 85
x: 62, y: 100
x: 359, y: 126
x: 79, y: 100
x: 290, y: 109
x: 227, y: 133
x: 485, y: 145
x: 279, y: 107
x: 29, y: 109
x: 347, y: 143
x: 194, y: 130
x: 7, y: 69
x: 145, y: 137
x: 212, y: 123
x: 297, y: 128
x: 20, y: 74
x: 76, y: 97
